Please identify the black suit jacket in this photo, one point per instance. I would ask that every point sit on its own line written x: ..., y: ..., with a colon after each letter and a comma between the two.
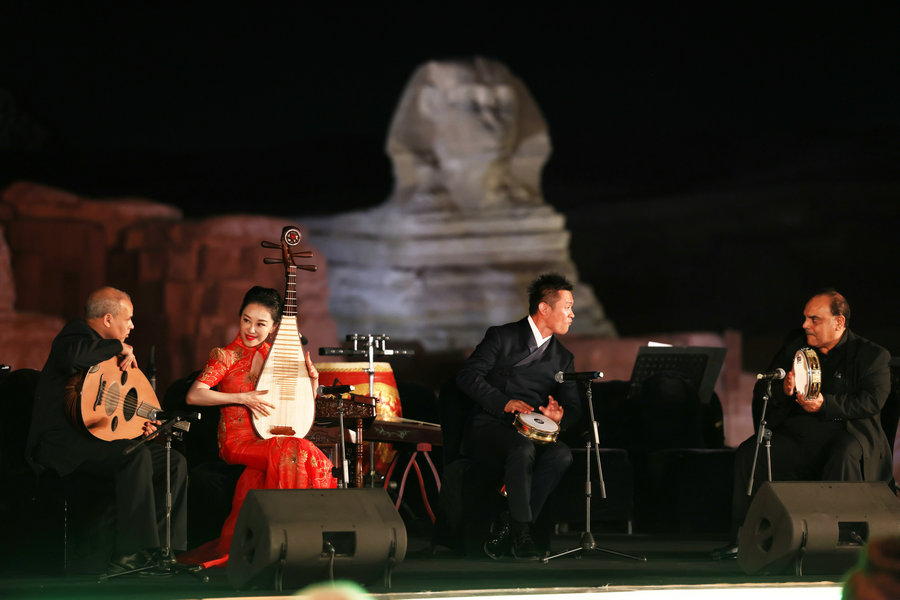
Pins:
x: 856, y: 380
x: 490, y: 378
x: 53, y: 437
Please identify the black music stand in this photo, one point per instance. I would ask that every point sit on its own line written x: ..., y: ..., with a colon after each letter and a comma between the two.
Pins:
x: 700, y: 365
x: 587, y: 538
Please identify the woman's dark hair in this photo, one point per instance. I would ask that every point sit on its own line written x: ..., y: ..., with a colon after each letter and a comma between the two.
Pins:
x: 266, y: 297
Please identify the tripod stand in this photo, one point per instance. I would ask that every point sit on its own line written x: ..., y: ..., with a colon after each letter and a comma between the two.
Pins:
x: 165, y: 564
x: 587, y: 538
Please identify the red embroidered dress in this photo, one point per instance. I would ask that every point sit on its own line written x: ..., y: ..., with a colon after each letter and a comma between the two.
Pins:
x: 275, y: 463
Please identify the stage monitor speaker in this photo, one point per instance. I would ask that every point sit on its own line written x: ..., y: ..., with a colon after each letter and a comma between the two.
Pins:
x: 818, y: 527
x: 289, y: 538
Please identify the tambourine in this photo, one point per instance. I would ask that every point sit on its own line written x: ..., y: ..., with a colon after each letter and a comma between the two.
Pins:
x: 807, y: 373
x: 536, y: 427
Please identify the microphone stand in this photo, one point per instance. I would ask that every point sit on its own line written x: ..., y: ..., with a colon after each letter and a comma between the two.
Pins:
x: 762, y: 433
x: 587, y: 538
x: 166, y: 564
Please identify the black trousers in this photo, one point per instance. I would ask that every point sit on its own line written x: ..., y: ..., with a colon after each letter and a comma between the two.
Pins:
x: 531, y: 471
x: 139, y: 480
x: 812, y: 450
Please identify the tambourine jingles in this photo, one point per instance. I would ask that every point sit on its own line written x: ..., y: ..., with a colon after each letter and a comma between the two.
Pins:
x: 807, y: 373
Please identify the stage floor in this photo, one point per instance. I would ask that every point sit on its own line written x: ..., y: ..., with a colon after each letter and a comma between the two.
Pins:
x: 671, y: 561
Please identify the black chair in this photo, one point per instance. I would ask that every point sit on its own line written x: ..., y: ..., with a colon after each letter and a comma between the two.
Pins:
x: 52, y: 524
x: 683, y: 473
x: 470, y: 496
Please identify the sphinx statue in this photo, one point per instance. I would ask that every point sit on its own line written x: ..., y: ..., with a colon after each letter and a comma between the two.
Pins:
x: 467, y: 136
x: 466, y: 228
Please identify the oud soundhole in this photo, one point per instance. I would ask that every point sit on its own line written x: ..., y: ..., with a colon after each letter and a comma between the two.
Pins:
x: 114, y: 424
x: 111, y: 399
x: 130, y: 405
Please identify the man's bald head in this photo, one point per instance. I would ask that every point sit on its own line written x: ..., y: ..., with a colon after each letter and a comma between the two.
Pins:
x: 109, y: 311
x: 102, y: 301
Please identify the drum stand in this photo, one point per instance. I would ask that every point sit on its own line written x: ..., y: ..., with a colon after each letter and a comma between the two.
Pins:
x: 344, y: 471
x: 375, y: 345
x: 763, y: 433
x: 587, y: 538
x: 166, y: 564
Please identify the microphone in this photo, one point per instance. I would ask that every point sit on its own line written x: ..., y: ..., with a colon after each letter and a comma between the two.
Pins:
x: 578, y: 376
x: 771, y: 375
x: 156, y: 414
x: 327, y: 390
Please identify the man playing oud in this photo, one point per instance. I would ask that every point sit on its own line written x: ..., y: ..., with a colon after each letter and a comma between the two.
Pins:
x: 55, y: 442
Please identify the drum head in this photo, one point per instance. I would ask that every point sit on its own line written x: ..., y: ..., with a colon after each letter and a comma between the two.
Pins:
x: 536, y: 427
x: 539, y: 422
x: 801, y: 372
x: 807, y: 375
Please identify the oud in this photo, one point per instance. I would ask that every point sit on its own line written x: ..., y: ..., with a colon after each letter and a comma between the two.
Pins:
x: 112, y: 404
x: 284, y: 374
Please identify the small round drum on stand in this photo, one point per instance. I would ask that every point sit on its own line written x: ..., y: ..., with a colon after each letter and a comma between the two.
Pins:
x: 807, y: 373
x: 388, y: 405
x: 536, y: 427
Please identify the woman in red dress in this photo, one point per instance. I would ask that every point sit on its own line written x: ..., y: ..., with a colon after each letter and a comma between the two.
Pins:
x: 275, y: 463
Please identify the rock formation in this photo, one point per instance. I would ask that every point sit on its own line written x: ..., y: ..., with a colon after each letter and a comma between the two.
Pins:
x: 186, y: 278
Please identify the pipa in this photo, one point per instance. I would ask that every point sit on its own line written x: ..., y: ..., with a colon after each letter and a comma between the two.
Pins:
x: 284, y: 373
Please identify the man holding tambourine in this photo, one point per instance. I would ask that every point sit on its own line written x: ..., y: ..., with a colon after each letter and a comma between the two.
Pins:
x: 825, y: 414
x: 520, y: 406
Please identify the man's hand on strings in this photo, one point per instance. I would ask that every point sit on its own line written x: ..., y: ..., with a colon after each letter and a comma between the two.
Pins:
x: 149, y: 427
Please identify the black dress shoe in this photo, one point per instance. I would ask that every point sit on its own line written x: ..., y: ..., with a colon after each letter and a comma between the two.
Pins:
x: 523, y: 546
x: 497, y: 545
x: 726, y: 551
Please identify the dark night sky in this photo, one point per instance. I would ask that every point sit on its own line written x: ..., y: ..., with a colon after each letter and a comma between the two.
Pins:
x: 231, y: 96
x: 283, y: 109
